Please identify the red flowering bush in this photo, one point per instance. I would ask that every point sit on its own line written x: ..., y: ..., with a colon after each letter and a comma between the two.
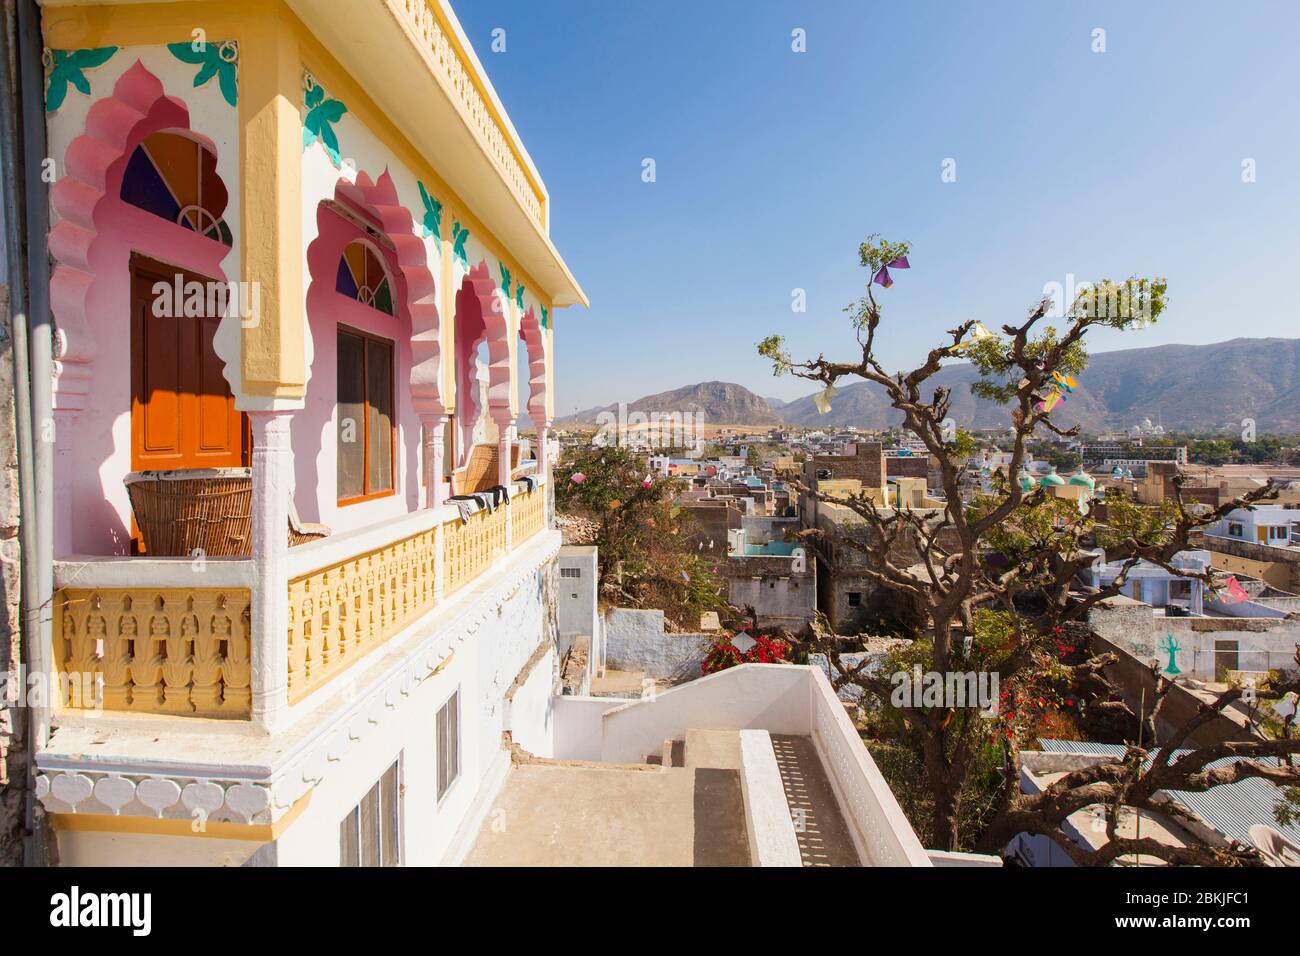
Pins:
x: 767, y: 650
x: 724, y: 654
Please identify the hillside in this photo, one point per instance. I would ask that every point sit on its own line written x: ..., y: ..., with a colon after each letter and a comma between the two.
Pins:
x: 720, y: 403
x: 1184, y: 387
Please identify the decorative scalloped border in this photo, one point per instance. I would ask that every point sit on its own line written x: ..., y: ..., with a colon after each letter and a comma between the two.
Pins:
x: 248, y: 801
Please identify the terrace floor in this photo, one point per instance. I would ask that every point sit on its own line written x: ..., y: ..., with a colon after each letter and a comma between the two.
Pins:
x: 558, y: 815
x: 690, y: 813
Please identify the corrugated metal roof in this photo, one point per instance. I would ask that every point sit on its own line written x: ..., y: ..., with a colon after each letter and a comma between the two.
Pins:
x: 1231, y: 809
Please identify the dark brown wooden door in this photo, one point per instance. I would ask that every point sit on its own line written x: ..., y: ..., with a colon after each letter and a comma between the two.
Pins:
x: 182, y: 411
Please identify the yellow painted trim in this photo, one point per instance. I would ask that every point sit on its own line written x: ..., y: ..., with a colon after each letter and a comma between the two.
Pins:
x: 143, y: 24
x: 153, y: 826
x: 270, y: 88
x: 318, y: 61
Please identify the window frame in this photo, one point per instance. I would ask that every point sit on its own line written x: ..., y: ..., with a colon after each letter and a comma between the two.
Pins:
x: 442, y: 790
x: 367, y: 337
x: 397, y: 813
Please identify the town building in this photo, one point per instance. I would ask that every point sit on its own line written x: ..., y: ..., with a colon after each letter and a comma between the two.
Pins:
x: 1262, y: 542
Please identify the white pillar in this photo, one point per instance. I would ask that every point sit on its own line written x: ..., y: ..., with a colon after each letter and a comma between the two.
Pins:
x: 543, y: 435
x: 272, y: 481
x: 505, y: 439
x: 435, y: 436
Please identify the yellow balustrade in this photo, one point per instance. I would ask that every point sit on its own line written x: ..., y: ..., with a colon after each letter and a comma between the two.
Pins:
x: 181, y: 651
x: 340, y: 613
x: 490, y: 126
x: 469, y: 547
x: 186, y: 651
x: 527, y: 515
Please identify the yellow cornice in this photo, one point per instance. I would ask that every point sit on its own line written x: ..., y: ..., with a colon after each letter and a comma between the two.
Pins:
x: 214, y: 829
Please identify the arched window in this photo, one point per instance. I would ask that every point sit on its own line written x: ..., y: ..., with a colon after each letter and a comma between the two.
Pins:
x: 361, y: 276
x: 175, y: 178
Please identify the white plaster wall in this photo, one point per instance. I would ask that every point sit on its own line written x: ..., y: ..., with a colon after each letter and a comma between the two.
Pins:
x: 427, y: 825
x: 483, y: 670
x: 577, y: 728
x: 771, y: 697
x: 880, y: 830
x: 635, y: 640
x: 531, y: 708
x: 512, y: 638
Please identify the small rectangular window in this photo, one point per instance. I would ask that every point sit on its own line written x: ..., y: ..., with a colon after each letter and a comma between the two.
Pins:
x: 448, y: 743
x: 855, y: 599
x: 570, y: 572
x: 371, y: 834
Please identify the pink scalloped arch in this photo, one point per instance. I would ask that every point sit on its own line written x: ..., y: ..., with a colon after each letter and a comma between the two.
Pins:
x: 530, y: 330
x: 479, y: 281
x: 421, y: 294
x: 84, y: 197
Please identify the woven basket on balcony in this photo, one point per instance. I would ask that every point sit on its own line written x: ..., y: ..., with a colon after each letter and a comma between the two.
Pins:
x: 483, y: 470
x: 207, y: 509
x: 204, y: 509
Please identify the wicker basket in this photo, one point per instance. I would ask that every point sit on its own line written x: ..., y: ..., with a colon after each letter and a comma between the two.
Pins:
x: 483, y: 470
x: 189, y: 509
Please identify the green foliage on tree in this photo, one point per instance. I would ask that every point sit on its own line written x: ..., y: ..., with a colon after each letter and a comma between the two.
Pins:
x: 641, y: 538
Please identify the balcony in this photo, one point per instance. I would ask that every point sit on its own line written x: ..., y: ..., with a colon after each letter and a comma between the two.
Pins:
x: 413, y: 59
x: 173, y: 636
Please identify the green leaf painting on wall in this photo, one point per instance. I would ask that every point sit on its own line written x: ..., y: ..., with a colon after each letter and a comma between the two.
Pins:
x: 432, y: 222
x: 67, y: 68
x: 505, y: 280
x: 213, y: 59
x: 322, y: 114
x: 546, y: 318
x: 519, y: 296
x: 458, y: 236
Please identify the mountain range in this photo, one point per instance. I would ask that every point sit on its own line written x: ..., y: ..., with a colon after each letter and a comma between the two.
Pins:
x: 1183, y: 387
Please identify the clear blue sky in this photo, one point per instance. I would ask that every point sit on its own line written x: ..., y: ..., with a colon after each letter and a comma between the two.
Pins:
x: 773, y: 165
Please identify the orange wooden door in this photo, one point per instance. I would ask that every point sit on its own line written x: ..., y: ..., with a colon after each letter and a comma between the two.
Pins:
x: 182, y: 411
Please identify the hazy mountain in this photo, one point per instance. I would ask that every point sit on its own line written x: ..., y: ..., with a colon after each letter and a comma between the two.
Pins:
x: 776, y: 404
x: 1183, y: 387
x: 720, y: 403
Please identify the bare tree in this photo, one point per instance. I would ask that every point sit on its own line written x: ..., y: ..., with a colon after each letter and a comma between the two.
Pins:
x: 1140, y: 781
x: 1000, y: 569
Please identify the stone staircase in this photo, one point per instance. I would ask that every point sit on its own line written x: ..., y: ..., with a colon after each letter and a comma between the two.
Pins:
x: 820, y: 829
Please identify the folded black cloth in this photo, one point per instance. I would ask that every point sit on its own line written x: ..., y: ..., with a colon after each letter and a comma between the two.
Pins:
x: 496, y: 495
